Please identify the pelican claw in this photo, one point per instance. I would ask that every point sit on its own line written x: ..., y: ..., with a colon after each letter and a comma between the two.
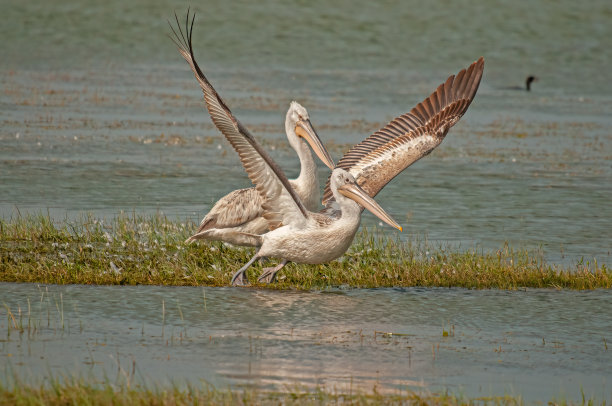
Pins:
x: 240, y: 280
x: 269, y: 274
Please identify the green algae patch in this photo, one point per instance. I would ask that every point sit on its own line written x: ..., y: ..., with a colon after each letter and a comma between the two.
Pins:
x: 132, y: 250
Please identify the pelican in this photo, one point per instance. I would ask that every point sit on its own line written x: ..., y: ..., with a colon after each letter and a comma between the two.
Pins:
x: 297, y: 234
x: 241, y: 211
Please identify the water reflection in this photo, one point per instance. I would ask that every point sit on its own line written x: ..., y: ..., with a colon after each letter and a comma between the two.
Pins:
x: 478, y: 342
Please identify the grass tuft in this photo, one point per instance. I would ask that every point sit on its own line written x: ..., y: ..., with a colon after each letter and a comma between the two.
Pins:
x: 80, y: 392
x: 75, y: 391
x: 133, y: 250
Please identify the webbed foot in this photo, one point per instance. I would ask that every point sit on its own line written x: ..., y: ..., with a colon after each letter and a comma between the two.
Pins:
x: 269, y: 274
x: 240, y: 279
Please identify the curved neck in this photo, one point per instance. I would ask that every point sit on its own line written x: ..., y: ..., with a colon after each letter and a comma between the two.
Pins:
x: 307, y: 181
x: 306, y: 184
x: 308, y: 167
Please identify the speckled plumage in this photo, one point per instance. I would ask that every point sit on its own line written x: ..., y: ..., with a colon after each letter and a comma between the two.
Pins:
x: 375, y: 161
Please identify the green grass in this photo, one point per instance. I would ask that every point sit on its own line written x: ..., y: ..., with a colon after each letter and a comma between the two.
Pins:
x: 75, y: 391
x: 150, y: 250
x: 80, y: 392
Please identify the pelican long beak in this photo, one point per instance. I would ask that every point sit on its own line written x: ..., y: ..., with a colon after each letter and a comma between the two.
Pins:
x: 304, y: 129
x: 356, y: 193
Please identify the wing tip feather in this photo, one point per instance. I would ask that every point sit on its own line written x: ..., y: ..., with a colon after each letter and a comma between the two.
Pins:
x: 456, y: 93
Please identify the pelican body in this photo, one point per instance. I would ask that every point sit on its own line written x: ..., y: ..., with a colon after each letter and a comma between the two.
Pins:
x: 323, y: 237
x: 241, y: 211
x: 314, y: 238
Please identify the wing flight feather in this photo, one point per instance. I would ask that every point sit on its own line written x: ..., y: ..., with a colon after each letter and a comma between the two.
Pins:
x: 282, y: 204
x: 375, y: 161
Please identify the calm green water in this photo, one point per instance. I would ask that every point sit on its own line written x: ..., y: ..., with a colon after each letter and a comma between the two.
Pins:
x: 529, y: 344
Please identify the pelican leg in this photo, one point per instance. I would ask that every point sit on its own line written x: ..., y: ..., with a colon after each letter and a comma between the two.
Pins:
x: 239, y: 278
x: 269, y: 274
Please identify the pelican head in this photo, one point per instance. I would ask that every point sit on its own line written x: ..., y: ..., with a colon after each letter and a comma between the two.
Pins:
x: 297, y: 124
x: 345, y: 187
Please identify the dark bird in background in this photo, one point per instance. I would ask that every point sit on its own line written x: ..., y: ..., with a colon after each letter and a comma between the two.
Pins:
x: 528, y: 81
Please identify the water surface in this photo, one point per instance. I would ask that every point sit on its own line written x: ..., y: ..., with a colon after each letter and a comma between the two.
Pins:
x: 100, y: 114
x: 537, y: 344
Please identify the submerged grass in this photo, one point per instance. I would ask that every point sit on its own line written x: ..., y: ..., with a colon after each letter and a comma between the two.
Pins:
x: 150, y: 250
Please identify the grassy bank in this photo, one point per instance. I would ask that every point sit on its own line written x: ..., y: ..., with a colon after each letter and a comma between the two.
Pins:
x: 150, y: 250
x: 79, y: 392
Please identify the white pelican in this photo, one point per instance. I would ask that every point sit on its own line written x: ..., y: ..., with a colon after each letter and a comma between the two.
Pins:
x: 296, y: 234
x: 241, y: 211
x: 375, y: 161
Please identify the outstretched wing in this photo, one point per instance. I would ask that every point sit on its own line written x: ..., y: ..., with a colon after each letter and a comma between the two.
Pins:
x: 409, y: 137
x: 282, y: 204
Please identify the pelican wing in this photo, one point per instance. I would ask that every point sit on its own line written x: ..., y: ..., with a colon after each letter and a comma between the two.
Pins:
x: 235, y: 209
x: 375, y: 161
x: 282, y: 204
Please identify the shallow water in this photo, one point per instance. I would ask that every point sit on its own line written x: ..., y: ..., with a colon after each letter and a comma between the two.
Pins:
x: 100, y: 114
x: 537, y: 344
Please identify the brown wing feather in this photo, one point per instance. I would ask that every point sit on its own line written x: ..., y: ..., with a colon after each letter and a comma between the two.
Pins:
x: 269, y: 179
x: 235, y: 209
x: 383, y: 155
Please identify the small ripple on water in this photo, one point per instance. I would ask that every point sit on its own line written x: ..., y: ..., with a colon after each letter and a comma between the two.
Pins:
x: 388, y: 338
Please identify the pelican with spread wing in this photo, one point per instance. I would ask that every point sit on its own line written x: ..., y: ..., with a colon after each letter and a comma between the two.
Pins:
x: 296, y: 234
x: 241, y: 211
x: 375, y: 161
